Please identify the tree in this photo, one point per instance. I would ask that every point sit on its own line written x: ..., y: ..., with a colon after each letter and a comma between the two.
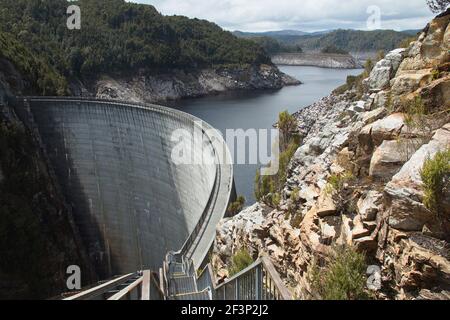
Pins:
x: 287, y: 124
x: 333, y: 49
x: 438, y: 6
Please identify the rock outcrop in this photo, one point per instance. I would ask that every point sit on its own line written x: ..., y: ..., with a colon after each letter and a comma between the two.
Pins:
x: 180, y: 84
x: 378, y: 143
x: 322, y: 60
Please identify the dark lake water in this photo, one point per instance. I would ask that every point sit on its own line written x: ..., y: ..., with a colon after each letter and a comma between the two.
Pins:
x: 259, y: 110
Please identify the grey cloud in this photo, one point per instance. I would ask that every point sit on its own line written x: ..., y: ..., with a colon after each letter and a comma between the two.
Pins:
x: 306, y: 15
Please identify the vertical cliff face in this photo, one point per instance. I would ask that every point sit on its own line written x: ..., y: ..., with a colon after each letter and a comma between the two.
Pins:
x: 39, y: 240
x: 359, y: 178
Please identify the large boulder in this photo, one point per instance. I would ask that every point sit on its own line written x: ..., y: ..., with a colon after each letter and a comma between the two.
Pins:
x: 411, y: 81
x: 404, y: 193
x: 431, y: 49
x: 436, y: 95
x: 380, y: 75
x: 395, y: 57
x: 435, y: 48
x: 390, y: 156
x: 385, y: 70
x: 374, y: 134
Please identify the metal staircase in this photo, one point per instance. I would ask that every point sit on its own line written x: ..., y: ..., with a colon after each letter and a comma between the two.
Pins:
x: 178, y: 280
x: 260, y: 281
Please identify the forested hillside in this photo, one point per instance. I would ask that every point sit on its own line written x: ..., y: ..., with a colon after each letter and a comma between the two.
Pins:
x: 116, y: 36
x: 348, y: 40
x: 356, y: 40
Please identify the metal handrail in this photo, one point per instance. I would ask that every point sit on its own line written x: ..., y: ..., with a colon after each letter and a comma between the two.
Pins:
x: 156, y: 293
x: 259, y: 281
x: 99, y: 290
x: 125, y: 292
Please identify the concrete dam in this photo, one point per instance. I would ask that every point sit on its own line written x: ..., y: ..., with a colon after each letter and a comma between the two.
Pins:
x: 131, y: 203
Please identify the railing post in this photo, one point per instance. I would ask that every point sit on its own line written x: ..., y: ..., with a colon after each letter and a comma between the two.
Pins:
x: 258, y: 283
x: 236, y: 288
x: 145, y: 286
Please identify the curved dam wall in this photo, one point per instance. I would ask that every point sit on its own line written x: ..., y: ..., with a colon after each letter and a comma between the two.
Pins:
x: 131, y: 203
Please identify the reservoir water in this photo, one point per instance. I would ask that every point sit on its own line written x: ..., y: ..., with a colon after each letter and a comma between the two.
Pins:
x: 260, y: 109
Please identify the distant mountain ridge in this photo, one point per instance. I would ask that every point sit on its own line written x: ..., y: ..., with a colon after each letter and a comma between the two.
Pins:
x: 349, y: 40
x: 278, y: 33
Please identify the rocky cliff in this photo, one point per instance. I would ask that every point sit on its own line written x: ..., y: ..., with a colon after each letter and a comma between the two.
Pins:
x: 182, y: 84
x: 322, y: 60
x: 370, y: 144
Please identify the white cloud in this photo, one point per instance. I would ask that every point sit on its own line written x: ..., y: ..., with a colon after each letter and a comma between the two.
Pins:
x: 306, y: 15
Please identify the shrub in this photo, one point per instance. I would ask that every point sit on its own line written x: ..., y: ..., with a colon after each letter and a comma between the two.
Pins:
x: 435, y: 176
x: 336, y: 182
x: 287, y: 124
x: 435, y: 74
x: 380, y: 55
x: 297, y: 220
x: 342, y: 278
x: 334, y: 49
x: 235, y: 207
x: 241, y: 260
x: 418, y: 126
x: 406, y: 42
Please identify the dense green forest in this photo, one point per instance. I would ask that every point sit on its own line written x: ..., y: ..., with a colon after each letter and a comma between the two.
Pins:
x: 115, y: 36
x: 356, y: 40
x: 272, y: 46
x: 40, y: 76
x: 345, y: 40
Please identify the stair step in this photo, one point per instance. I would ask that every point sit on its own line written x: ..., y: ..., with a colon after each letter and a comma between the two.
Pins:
x: 204, y: 295
x: 176, y: 268
x: 182, y: 285
x: 178, y: 275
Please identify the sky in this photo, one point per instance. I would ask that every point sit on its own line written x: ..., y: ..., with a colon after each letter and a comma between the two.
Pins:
x: 304, y: 15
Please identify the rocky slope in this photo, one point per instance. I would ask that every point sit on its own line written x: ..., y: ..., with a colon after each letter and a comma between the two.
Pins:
x: 379, y: 207
x: 323, y: 60
x: 181, y: 84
